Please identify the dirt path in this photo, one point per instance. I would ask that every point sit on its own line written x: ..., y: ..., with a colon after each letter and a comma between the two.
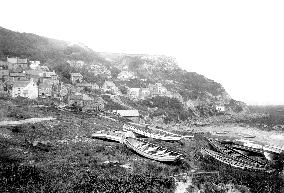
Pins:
x: 25, y: 121
x: 181, y: 187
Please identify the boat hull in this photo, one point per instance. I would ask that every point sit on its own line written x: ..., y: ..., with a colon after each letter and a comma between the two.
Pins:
x: 143, y: 132
x: 135, y: 145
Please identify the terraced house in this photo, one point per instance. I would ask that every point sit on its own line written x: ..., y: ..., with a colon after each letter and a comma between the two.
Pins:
x: 17, y: 63
x: 16, y: 76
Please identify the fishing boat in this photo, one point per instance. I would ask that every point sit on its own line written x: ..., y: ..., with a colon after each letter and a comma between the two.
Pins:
x: 117, y: 136
x: 151, y: 151
x: 151, y: 132
x: 237, y: 163
x: 270, y: 152
x: 255, y: 158
x: 252, y: 156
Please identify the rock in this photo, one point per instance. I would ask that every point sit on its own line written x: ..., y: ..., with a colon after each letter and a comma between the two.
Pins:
x: 127, y: 166
x: 111, y: 162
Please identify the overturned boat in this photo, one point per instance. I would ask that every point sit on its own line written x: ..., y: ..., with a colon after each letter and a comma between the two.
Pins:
x: 244, y: 156
x: 151, y: 151
x: 151, y: 132
x: 269, y: 152
x: 117, y: 136
x: 237, y: 163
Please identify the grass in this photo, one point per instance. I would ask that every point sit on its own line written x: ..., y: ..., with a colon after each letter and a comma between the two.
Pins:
x: 77, y: 163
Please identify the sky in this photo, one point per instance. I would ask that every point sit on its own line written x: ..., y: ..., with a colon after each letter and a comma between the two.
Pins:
x: 239, y: 44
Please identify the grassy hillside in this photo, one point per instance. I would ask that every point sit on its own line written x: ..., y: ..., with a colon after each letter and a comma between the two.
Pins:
x: 74, y: 162
x: 35, y: 47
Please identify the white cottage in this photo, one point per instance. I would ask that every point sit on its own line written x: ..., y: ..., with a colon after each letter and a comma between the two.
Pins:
x: 26, y: 89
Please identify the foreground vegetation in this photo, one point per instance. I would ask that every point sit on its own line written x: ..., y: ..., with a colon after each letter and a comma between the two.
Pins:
x: 74, y: 162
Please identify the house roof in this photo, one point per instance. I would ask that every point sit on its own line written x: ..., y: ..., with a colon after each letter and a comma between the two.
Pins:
x: 34, y: 72
x: 127, y: 113
x: 134, y: 89
x: 44, y: 68
x: 25, y: 60
x: 45, y: 85
x: 17, y: 60
x: 49, y: 74
x: 20, y: 83
x: 17, y: 74
x: 76, y: 74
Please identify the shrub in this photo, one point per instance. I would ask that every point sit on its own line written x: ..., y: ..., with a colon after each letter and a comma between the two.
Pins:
x: 17, y: 113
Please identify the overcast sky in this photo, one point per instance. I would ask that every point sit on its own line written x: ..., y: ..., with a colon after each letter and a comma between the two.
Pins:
x: 239, y: 44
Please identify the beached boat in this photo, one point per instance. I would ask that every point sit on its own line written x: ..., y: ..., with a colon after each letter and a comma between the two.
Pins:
x: 110, y: 135
x: 151, y: 132
x: 151, y: 151
x: 270, y: 152
x: 253, y: 156
x: 237, y: 163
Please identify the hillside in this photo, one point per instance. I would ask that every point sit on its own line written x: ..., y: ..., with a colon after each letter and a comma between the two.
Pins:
x: 197, y: 91
x: 35, y: 47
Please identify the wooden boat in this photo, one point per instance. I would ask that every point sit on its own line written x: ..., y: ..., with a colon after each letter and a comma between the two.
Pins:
x: 270, y: 152
x: 256, y: 158
x: 151, y: 151
x: 221, y: 132
x: 151, y: 132
x: 232, y: 161
x: 246, y: 156
x: 246, y: 135
x: 110, y: 135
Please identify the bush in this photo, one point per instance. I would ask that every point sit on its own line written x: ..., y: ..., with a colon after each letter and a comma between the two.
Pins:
x: 16, y: 178
x: 4, y: 96
x: 18, y: 114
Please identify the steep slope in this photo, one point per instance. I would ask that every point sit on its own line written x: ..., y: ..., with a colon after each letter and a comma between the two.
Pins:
x: 164, y: 69
x: 64, y: 58
x: 40, y: 48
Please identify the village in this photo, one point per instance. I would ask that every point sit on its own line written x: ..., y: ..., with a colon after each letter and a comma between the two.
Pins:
x: 25, y: 78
